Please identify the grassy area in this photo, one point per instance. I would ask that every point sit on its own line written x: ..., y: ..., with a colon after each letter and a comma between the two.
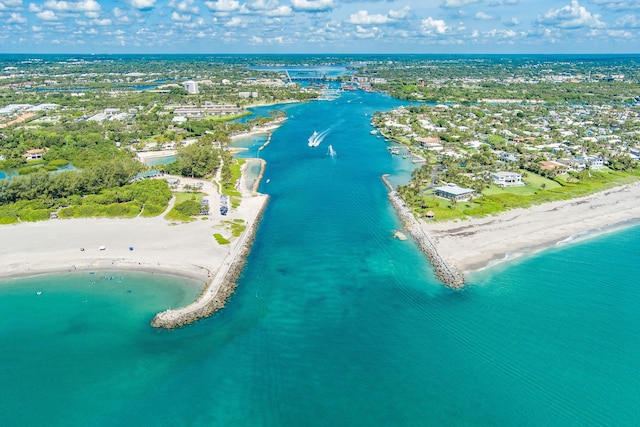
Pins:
x: 183, y: 196
x: 237, y: 227
x: 221, y: 239
x: 230, y: 188
x: 541, y: 190
x: 187, y: 206
x: 227, y: 118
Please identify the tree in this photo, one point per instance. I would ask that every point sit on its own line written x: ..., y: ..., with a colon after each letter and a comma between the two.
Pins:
x: 197, y: 160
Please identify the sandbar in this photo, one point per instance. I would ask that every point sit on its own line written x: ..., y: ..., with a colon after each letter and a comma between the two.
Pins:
x: 476, y: 243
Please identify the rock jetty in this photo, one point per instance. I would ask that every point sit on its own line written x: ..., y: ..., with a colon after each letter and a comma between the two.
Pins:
x: 445, y: 272
x: 218, y: 289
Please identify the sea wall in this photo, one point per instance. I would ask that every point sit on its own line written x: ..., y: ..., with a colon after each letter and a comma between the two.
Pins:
x: 256, y: 184
x: 219, y: 288
x: 445, y: 272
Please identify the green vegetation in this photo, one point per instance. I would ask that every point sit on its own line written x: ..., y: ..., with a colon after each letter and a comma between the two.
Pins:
x: 186, y: 207
x: 496, y: 199
x: 146, y: 198
x: 221, y: 239
x: 237, y: 227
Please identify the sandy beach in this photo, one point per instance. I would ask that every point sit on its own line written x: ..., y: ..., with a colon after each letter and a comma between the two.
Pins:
x: 144, y: 155
x: 143, y: 244
x: 476, y: 243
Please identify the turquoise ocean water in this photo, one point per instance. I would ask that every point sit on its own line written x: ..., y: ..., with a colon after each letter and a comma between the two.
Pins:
x: 334, y: 322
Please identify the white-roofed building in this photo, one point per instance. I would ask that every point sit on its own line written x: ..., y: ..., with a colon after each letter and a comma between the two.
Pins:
x: 507, y: 179
x: 455, y: 192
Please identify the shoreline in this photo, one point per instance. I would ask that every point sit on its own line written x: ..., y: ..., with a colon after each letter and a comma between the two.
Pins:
x: 445, y: 271
x: 148, y: 245
x: 219, y: 288
x: 481, y: 243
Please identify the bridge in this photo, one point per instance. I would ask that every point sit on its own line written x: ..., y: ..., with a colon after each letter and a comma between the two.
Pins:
x: 307, y: 76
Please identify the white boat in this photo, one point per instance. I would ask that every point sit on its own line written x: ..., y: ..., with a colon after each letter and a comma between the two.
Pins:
x: 313, y: 138
x: 316, y: 138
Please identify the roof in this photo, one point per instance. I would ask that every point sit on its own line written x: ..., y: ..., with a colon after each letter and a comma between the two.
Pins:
x: 504, y: 174
x: 454, y: 189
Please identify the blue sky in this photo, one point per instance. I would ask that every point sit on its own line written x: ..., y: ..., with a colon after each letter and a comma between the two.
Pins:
x: 320, y: 26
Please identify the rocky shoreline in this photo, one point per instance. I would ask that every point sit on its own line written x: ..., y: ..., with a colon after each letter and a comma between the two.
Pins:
x: 447, y: 274
x: 209, y: 300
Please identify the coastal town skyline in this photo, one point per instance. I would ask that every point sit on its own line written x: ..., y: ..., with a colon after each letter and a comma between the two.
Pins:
x: 319, y: 26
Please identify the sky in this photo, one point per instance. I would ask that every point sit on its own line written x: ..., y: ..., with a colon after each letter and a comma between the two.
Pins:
x: 320, y: 26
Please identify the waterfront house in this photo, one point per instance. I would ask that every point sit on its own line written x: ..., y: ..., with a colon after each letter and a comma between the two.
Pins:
x: 507, y: 179
x: 594, y: 162
x: 504, y: 156
x: 454, y: 192
x: 430, y: 143
x: 34, y: 154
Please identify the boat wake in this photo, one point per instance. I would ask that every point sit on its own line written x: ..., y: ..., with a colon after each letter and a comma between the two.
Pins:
x: 316, y: 138
x: 332, y: 152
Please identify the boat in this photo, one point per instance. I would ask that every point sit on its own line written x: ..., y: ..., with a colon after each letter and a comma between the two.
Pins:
x: 313, y: 138
x: 316, y: 138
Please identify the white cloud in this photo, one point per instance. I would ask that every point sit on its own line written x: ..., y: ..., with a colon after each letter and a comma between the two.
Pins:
x: 234, y: 22
x: 618, y: 4
x: 362, y: 17
x: 620, y: 34
x: 16, y: 18
x: 312, y: 5
x: 47, y: 15
x: 501, y: 2
x: 572, y: 16
x: 72, y: 6
x: 482, y: 16
x: 627, y: 21
x: 512, y: 22
x: 102, y: 22
x: 453, y: 4
x: 34, y: 8
x: 185, y: 6
x: 399, y: 14
x: 430, y: 27
x: 280, y: 11
x: 501, y: 34
x: 222, y: 5
x: 256, y: 40
x: 261, y: 4
x: 12, y: 3
x: 142, y: 4
x: 175, y: 16
x: 366, y: 33
x: 121, y: 16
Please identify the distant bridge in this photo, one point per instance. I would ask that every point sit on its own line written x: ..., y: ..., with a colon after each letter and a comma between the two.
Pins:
x: 307, y: 76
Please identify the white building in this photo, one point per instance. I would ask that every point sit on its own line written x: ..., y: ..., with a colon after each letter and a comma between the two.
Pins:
x: 594, y: 162
x: 191, y: 87
x: 507, y: 179
x: 453, y: 191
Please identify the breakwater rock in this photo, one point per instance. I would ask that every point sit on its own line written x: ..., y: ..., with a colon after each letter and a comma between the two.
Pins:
x: 445, y: 272
x: 219, y: 288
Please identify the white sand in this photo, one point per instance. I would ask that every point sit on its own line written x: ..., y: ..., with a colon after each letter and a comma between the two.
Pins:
x: 144, y: 155
x: 473, y: 244
x: 186, y: 249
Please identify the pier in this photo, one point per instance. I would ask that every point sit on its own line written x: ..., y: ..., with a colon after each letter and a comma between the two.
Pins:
x: 447, y: 274
x: 220, y: 287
